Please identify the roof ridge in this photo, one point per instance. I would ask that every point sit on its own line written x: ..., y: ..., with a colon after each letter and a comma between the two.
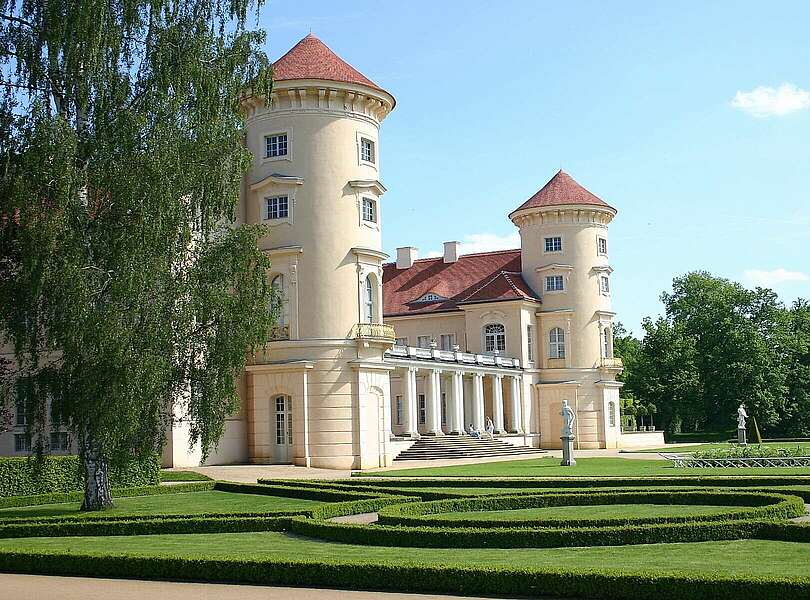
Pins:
x: 460, y: 256
x: 490, y: 280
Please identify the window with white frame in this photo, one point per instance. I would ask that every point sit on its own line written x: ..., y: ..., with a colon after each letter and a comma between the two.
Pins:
x: 21, y: 417
x: 22, y: 443
x: 398, y: 410
x: 553, y: 244
x: 555, y: 283
x: 447, y: 341
x: 611, y: 414
x: 275, y: 145
x: 601, y: 246
x: 556, y: 343
x: 423, y: 341
x: 604, y: 284
x: 430, y: 297
x: 530, y: 342
x: 276, y: 207
x: 369, y: 210
x: 401, y: 341
x: 368, y: 300
x: 422, y: 409
x: 494, y: 337
x: 367, y: 153
x: 59, y: 441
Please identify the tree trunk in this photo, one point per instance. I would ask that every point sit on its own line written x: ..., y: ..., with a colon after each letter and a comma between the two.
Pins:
x: 97, y: 494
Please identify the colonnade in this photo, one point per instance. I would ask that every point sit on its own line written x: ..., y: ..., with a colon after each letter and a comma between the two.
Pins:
x: 452, y: 382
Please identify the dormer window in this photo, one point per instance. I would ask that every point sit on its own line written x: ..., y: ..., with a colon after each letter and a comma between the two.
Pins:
x: 431, y: 297
x: 275, y: 145
x: 553, y: 244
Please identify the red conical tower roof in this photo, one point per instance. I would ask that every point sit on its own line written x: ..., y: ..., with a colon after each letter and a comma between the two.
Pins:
x: 562, y: 190
x: 312, y: 59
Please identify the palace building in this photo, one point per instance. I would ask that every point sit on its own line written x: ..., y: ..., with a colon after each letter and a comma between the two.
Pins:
x: 372, y: 358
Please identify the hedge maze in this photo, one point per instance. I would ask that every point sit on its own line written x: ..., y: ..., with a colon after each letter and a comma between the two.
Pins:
x: 436, y: 535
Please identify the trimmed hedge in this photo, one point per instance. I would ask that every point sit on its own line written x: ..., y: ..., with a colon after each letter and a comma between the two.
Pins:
x: 762, y: 506
x: 25, y: 476
x: 351, y: 486
x: 414, y: 577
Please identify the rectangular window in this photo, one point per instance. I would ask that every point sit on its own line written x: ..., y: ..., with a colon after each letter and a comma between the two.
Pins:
x: 401, y: 342
x: 399, y: 410
x: 21, y: 419
x: 367, y: 150
x: 422, y: 409
x: 277, y: 207
x: 275, y: 145
x: 447, y: 341
x: 601, y: 244
x: 22, y: 443
x: 423, y: 341
x: 554, y: 244
x: 604, y: 284
x: 369, y: 210
x: 555, y: 283
x: 59, y: 441
x: 530, y: 342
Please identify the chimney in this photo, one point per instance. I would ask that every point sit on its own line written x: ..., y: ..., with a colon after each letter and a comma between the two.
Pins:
x: 451, y: 251
x: 406, y: 256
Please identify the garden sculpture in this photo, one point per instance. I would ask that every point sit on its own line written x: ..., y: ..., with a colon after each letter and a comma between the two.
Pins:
x: 567, y: 436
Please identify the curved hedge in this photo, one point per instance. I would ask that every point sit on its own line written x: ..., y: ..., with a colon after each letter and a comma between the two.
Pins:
x: 760, y: 506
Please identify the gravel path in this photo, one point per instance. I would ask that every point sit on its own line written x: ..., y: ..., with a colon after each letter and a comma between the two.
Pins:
x: 359, y: 519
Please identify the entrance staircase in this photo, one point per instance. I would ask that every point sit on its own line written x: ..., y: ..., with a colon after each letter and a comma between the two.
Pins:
x: 448, y: 447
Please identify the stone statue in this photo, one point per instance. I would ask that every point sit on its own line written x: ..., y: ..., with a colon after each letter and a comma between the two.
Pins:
x: 741, y: 417
x: 568, y: 419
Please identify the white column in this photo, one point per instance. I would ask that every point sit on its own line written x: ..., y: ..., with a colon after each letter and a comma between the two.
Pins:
x: 456, y: 406
x: 515, y: 417
x: 478, y: 401
x: 497, y: 403
x: 434, y: 402
x: 409, y: 377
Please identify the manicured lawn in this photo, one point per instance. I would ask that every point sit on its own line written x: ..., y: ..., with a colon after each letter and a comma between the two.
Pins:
x: 719, y: 446
x: 183, y: 476
x: 586, y: 467
x: 599, y: 511
x: 169, y: 504
x: 744, y: 557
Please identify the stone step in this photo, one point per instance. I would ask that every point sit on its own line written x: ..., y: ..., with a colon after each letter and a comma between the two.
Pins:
x: 452, y: 447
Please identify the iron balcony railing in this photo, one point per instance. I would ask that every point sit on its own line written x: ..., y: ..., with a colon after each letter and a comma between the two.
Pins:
x: 374, y: 331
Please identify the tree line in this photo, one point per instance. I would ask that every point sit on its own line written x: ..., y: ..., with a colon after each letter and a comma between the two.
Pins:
x: 717, y: 345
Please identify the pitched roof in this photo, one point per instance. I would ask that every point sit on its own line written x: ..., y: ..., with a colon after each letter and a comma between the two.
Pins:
x: 482, y: 277
x: 560, y: 190
x: 312, y: 59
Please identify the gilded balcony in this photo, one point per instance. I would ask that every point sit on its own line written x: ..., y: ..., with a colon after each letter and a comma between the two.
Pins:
x: 374, y: 331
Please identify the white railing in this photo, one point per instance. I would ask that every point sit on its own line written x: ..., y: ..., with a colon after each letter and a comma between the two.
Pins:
x: 487, y: 360
x: 687, y: 460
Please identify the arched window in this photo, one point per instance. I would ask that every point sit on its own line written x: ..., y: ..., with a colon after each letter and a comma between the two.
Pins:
x: 277, y: 285
x: 494, y: 337
x: 556, y: 343
x: 368, y: 300
x: 612, y: 414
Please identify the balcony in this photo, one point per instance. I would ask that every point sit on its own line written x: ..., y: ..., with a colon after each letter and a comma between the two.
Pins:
x: 374, y: 331
x: 612, y: 363
x: 279, y: 333
x: 481, y: 360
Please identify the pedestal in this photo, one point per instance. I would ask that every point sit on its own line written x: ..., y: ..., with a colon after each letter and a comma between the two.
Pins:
x: 568, y: 451
x: 741, y: 437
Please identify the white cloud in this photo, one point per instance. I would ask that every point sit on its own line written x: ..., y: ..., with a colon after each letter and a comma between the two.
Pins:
x: 774, y: 277
x: 766, y: 101
x: 482, y: 242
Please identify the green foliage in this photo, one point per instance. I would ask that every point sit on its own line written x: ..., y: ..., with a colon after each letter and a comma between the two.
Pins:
x: 183, y: 476
x: 150, y: 490
x: 751, y: 451
x: 128, y: 297
x: 26, y: 476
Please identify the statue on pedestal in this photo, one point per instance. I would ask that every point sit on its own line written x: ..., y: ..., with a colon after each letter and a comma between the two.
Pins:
x: 741, y: 417
x: 567, y: 436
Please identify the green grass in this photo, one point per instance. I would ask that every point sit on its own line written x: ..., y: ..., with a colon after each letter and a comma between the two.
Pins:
x: 183, y: 476
x: 586, y: 467
x: 597, y: 511
x: 744, y: 557
x: 168, y: 504
x: 718, y: 446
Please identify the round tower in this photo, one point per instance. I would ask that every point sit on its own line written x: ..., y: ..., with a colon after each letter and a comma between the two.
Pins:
x: 565, y: 259
x: 315, y: 182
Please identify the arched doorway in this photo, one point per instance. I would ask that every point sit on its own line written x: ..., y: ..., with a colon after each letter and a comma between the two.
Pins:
x: 282, y: 405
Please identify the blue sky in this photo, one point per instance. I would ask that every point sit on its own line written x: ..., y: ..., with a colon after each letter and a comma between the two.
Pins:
x: 663, y: 109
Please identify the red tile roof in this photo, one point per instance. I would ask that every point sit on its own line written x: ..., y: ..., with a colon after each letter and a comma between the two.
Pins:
x: 312, y: 59
x: 560, y: 190
x: 482, y: 277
